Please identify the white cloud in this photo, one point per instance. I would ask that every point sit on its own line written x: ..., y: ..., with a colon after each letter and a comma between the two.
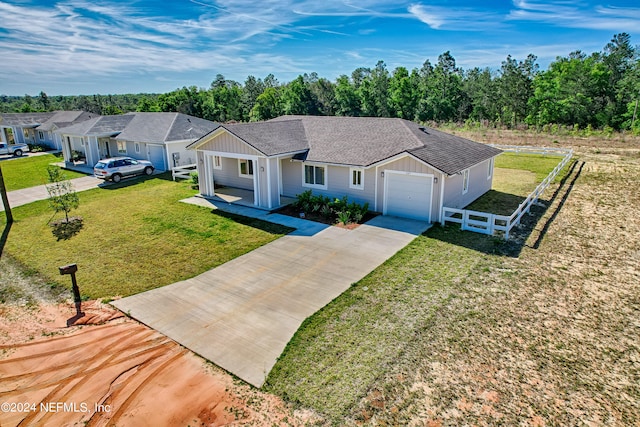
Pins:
x: 428, y: 15
x: 571, y: 15
x: 457, y: 19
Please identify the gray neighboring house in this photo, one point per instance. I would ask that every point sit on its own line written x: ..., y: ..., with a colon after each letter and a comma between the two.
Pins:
x: 38, y: 128
x: 399, y: 167
x: 160, y: 138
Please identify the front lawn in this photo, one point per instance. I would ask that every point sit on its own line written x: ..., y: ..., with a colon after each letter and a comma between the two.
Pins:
x: 31, y: 171
x: 515, y: 176
x: 454, y: 330
x: 136, y: 236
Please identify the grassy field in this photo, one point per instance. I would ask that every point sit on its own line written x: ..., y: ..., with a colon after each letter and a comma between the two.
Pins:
x: 136, y: 236
x: 515, y: 177
x: 31, y: 171
x: 464, y: 329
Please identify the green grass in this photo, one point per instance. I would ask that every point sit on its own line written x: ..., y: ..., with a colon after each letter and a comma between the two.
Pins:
x: 540, y: 165
x: 31, y: 171
x: 340, y: 352
x: 136, y: 236
x: 515, y: 177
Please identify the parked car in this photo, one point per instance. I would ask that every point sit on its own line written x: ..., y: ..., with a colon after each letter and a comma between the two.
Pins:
x: 116, y: 168
x: 15, y: 149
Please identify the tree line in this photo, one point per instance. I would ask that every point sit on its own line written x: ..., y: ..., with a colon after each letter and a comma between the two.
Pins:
x: 598, y: 90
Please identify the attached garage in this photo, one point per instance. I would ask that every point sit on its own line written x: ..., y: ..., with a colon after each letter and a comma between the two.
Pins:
x: 156, y: 156
x: 408, y: 195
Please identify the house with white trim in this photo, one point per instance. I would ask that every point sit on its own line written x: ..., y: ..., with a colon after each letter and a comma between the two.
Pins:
x: 397, y: 166
x: 159, y: 137
x: 38, y: 128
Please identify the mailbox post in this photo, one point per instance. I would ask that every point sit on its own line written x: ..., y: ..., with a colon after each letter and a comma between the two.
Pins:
x: 71, y: 269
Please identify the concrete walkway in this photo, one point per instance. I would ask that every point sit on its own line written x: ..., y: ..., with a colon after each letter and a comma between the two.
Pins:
x: 242, y: 314
x: 33, y: 194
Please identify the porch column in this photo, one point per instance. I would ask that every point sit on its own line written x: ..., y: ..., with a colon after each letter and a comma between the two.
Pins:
x: 66, y: 148
x: 256, y: 183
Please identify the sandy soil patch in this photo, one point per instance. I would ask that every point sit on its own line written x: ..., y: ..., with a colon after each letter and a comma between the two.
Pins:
x: 106, y: 369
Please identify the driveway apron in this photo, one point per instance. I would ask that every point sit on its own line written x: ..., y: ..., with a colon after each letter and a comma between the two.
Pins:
x: 241, y: 315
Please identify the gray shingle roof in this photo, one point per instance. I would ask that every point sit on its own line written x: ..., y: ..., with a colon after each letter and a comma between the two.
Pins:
x: 360, y: 141
x: 65, y: 118
x: 272, y: 138
x: 25, y: 119
x: 99, y: 126
x: 144, y: 127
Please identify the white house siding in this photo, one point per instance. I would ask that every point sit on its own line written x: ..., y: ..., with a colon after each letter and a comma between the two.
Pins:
x: 229, y: 175
x: 409, y: 164
x: 228, y: 143
x: 338, y: 178
x: 478, y: 185
x: 187, y: 157
x: 91, y: 151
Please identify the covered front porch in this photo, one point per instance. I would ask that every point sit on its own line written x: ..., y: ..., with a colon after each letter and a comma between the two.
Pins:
x: 242, y: 197
x: 245, y: 178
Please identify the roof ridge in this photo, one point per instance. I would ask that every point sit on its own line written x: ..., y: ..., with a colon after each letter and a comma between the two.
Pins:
x: 170, y: 127
x: 415, y: 137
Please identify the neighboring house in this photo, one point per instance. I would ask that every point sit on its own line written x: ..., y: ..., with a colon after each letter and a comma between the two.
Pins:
x: 160, y: 138
x: 399, y: 167
x: 20, y: 127
x: 38, y: 128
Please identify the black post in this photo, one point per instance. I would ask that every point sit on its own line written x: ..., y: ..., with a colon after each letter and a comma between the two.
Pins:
x: 76, y: 293
x: 5, y: 199
x: 71, y: 270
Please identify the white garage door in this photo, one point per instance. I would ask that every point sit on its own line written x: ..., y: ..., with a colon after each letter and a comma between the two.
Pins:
x: 408, y: 195
x: 156, y: 157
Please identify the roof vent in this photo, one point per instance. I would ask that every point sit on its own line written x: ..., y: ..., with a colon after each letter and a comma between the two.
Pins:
x: 423, y: 129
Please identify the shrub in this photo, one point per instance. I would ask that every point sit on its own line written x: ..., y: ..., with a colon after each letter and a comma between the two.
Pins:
x: 37, y: 148
x: 194, y: 178
x: 338, y: 208
x: 344, y: 217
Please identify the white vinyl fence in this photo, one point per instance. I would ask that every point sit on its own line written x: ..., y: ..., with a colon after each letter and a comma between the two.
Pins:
x: 183, y: 172
x: 488, y: 223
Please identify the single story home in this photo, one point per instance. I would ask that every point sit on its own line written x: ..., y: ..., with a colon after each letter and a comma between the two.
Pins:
x: 399, y: 167
x: 38, y: 128
x: 160, y: 138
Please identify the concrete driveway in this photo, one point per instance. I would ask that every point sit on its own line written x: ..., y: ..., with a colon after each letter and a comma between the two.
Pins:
x: 39, y: 192
x: 242, y: 314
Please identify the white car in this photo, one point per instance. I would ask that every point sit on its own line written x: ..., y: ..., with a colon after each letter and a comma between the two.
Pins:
x: 15, y: 149
x: 116, y: 168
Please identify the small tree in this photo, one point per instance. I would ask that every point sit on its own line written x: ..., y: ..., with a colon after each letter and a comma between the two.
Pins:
x: 62, y: 196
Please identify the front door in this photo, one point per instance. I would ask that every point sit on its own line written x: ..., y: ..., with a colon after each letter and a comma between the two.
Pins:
x: 104, y: 149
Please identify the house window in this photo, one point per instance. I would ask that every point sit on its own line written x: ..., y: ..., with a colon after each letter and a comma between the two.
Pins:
x: 41, y: 135
x: 465, y: 181
x: 122, y: 147
x: 490, y: 168
x: 315, y: 176
x: 245, y: 168
x: 217, y: 162
x: 137, y: 147
x: 356, y: 178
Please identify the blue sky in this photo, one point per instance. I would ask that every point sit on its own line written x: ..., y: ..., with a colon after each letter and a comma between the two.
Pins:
x: 85, y: 47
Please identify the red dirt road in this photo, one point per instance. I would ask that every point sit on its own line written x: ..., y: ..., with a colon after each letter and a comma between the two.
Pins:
x: 121, y: 373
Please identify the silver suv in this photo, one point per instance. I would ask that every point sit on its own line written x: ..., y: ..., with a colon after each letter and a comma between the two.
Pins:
x: 116, y: 168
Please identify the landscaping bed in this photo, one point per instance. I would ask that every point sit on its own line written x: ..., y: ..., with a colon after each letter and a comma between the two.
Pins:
x: 332, y: 211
